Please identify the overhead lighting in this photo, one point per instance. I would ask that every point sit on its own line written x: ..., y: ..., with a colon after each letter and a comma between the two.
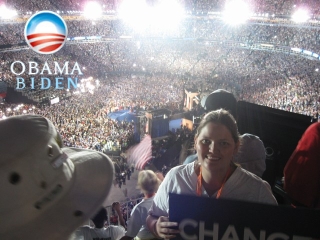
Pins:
x: 163, y: 16
x: 134, y: 13
x: 92, y: 10
x: 236, y: 12
x: 6, y: 13
x: 300, y: 16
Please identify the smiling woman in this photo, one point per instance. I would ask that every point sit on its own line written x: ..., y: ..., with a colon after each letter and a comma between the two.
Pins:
x: 216, y: 143
x: 213, y: 175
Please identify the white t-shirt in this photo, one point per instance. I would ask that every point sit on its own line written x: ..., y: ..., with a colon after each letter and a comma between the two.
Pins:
x: 89, y: 233
x: 241, y: 185
x: 137, y: 222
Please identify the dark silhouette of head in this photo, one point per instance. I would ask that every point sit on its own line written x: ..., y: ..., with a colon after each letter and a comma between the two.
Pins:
x: 220, y: 99
x: 100, y: 218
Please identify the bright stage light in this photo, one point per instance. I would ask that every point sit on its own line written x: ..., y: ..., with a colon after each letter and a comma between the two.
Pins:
x: 92, y: 10
x: 236, y: 12
x: 163, y: 16
x: 6, y: 13
x: 134, y: 13
x: 167, y: 15
x: 300, y: 16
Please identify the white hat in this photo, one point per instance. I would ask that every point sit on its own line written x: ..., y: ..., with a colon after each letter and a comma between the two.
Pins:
x: 47, y: 191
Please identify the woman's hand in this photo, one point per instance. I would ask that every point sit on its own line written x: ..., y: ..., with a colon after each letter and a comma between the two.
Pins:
x: 164, y: 228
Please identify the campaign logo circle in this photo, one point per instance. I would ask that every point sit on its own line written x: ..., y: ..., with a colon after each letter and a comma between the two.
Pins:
x: 45, y: 32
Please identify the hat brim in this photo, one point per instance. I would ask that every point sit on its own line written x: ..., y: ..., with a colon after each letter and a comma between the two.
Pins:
x: 91, y: 183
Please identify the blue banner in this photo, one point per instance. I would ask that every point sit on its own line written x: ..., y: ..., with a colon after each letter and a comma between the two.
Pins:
x: 202, y: 218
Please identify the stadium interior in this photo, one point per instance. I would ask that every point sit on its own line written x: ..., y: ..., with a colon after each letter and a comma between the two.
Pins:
x: 146, y: 65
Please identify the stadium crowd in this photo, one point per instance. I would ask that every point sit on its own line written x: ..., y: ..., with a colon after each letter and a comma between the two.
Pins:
x: 211, y: 59
x: 142, y: 74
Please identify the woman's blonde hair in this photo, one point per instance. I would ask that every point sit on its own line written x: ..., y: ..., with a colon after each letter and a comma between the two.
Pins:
x: 148, y: 181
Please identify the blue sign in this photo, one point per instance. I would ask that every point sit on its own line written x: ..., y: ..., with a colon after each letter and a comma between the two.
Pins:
x: 202, y: 218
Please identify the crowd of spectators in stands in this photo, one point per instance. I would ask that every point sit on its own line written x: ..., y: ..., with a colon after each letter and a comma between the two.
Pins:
x: 160, y: 69
x: 140, y: 74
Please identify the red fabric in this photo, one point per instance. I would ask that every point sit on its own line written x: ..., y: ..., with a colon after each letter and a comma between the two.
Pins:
x: 302, y: 171
x: 3, y: 95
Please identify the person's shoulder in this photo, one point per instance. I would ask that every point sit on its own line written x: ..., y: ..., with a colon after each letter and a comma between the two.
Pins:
x: 254, y: 180
x: 181, y: 169
x: 312, y: 129
x: 190, y: 158
x: 250, y: 176
x: 259, y: 189
x: 116, y: 228
x: 315, y: 126
x: 85, y: 227
x: 180, y: 172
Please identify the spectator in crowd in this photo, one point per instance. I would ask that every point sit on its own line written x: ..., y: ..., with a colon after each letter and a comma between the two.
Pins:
x: 217, y: 99
x: 220, y: 98
x: 251, y: 155
x: 114, y: 218
x: 117, y: 208
x: 302, y: 171
x: 99, y: 231
x: 213, y: 175
x: 148, y: 182
x: 47, y: 190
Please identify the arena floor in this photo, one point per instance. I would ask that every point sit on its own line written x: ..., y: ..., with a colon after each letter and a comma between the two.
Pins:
x: 118, y: 194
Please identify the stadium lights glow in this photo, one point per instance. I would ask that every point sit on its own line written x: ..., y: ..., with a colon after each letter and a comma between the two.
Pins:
x: 300, y: 16
x: 167, y: 15
x: 7, y: 13
x: 236, y: 12
x: 92, y: 10
x: 164, y: 16
x: 134, y: 13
